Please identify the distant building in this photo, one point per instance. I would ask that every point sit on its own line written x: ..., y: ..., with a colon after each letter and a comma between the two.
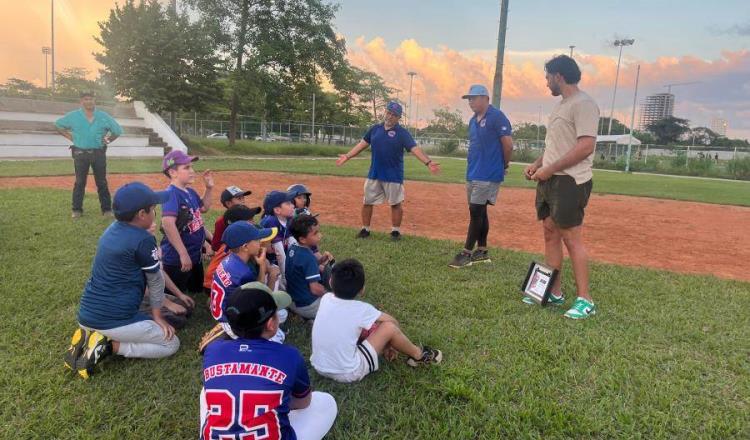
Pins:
x: 654, y: 108
x: 719, y: 126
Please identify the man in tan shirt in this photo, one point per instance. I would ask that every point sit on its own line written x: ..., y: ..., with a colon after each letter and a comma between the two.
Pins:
x: 564, y: 179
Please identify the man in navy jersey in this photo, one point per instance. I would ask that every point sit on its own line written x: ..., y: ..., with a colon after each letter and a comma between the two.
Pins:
x: 385, y: 181
x: 257, y: 388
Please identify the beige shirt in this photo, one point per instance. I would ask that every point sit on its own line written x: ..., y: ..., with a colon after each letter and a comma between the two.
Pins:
x: 572, y: 117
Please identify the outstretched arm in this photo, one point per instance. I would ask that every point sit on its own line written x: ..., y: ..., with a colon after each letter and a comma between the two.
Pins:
x: 361, y: 146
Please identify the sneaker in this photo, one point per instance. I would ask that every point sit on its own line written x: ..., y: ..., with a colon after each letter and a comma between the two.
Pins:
x: 363, y: 233
x: 395, y: 236
x: 462, y: 259
x: 553, y: 300
x: 76, y: 214
x: 581, y: 309
x: 97, y: 347
x: 480, y: 256
x: 429, y: 356
x: 77, y: 342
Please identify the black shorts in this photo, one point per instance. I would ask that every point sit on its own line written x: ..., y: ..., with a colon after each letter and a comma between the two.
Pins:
x: 191, y: 281
x: 563, y: 200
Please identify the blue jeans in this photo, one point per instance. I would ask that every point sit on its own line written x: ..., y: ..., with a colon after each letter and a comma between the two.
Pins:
x: 82, y: 161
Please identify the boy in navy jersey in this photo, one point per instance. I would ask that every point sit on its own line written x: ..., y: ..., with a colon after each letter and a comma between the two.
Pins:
x: 255, y: 387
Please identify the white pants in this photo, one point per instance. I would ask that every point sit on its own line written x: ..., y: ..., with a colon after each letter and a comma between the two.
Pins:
x: 142, y: 339
x: 311, y: 423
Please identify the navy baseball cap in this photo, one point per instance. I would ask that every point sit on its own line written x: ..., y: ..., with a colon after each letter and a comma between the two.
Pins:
x: 176, y: 157
x: 274, y: 199
x: 232, y: 192
x: 395, y: 108
x: 134, y: 196
x: 476, y: 90
x: 239, y: 233
x: 253, y: 304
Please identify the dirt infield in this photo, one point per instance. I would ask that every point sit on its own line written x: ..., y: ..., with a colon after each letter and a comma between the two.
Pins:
x: 678, y: 236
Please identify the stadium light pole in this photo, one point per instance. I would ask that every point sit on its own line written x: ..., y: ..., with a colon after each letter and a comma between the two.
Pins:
x: 52, y: 25
x: 416, y: 116
x: 571, y: 50
x: 632, y: 119
x: 497, y: 88
x: 411, y: 74
x: 46, y: 51
x: 621, y: 43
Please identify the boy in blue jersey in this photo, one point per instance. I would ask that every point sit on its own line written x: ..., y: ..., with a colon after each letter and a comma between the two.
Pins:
x: 255, y: 388
x: 244, y: 242
x: 184, y: 234
x: 304, y: 281
x: 278, y: 210
x: 385, y: 181
x: 490, y: 149
x: 126, y: 262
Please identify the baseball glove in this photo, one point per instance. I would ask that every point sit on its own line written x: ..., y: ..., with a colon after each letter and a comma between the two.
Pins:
x: 217, y: 332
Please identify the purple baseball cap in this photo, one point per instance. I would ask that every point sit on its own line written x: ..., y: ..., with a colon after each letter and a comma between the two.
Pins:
x: 395, y: 108
x: 176, y: 157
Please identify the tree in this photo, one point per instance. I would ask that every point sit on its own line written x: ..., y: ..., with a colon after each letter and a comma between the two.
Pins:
x: 703, y: 135
x: 20, y: 87
x: 529, y: 131
x: 71, y: 82
x: 159, y: 57
x: 617, y: 126
x: 669, y: 130
x: 285, y: 42
x: 447, y: 121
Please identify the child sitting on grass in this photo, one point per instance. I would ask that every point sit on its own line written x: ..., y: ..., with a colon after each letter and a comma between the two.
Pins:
x: 348, y: 335
x: 306, y: 279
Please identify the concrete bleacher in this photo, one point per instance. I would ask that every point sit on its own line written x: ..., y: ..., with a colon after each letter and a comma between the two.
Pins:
x: 27, y: 129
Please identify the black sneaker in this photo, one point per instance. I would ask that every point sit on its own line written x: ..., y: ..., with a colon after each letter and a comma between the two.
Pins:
x: 77, y: 342
x: 395, y: 236
x: 97, y: 348
x: 429, y: 356
x: 462, y: 259
x: 480, y: 256
x: 363, y: 233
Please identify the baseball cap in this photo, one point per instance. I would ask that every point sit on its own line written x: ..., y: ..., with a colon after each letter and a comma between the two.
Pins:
x: 176, y: 157
x: 395, y: 108
x: 134, y: 196
x: 232, y: 192
x: 252, y: 304
x: 274, y: 199
x: 239, y: 233
x: 476, y: 90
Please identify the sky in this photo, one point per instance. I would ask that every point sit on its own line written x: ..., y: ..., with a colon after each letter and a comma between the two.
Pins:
x: 451, y: 44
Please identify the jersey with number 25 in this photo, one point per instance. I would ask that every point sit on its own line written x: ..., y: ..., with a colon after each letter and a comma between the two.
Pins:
x: 248, y: 385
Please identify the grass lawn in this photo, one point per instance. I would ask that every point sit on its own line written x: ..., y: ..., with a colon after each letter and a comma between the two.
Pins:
x: 666, y: 357
x: 727, y: 192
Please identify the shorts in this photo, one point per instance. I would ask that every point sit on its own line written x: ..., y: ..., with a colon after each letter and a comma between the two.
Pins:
x: 480, y: 192
x: 191, y: 281
x: 378, y: 191
x: 563, y: 200
x: 309, y: 311
x: 368, y: 363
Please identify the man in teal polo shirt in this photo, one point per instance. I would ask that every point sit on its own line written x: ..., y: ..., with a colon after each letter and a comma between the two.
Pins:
x: 490, y: 148
x: 90, y: 130
x: 385, y: 181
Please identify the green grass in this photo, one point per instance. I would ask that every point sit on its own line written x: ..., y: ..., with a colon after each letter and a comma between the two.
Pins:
x: 666, y: 357
x: 727, y: 192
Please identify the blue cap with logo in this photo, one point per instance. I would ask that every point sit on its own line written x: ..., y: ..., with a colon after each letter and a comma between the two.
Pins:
x: 476, y: 90
x: 274, y: 199
x: 395, y: 108
x: 134, y: 196
x: 239, y: 233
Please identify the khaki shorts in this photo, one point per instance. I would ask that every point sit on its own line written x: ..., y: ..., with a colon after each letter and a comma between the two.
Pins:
x: 378, y: 191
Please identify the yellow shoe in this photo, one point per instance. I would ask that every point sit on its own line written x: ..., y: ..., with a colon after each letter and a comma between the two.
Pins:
x: 77, y: 342
x: 98, y: 347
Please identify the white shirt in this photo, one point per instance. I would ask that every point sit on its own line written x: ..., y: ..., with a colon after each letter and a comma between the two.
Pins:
x: 337, y: 328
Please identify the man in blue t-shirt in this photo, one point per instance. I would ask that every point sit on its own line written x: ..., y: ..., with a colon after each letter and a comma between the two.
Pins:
x: 256, y: 388
x: 385, y: 181
x: 490, y: 149
x: 126, y: 262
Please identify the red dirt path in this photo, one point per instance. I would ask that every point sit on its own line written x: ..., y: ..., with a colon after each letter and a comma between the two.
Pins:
x: 673, y: 235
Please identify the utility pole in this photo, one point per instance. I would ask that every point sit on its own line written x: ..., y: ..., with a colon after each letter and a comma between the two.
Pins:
x: 571, y: 50
x: 632, y: 119
x: 46, y: 51
x: 621, y: 43
x: 52, y: 21
x: 497, y: 89
x: 312, y: 132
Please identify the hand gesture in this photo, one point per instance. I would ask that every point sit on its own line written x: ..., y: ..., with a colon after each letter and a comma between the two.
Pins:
x: 434, y: 167
x: 208, y: 178
x: 341, y: 160
x: 529, y: 171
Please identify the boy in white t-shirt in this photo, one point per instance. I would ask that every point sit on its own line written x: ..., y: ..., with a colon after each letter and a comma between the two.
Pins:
x: 348, y: 335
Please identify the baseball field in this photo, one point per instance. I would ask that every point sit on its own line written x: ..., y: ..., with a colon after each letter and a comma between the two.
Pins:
x: 667, y: 355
